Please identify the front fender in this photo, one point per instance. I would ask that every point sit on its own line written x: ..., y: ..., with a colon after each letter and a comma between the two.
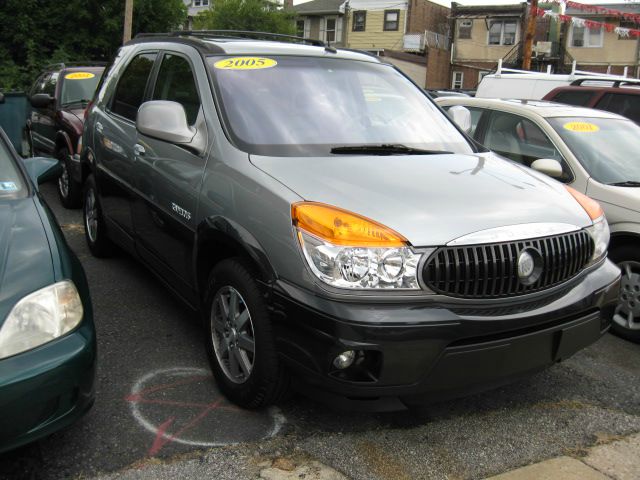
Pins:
x: 231, y: 237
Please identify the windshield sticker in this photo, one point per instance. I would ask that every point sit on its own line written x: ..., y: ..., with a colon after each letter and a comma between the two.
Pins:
x: 245, y: 63
x: 79, y: 76
x: 581, y: 127
x: 8, y: 186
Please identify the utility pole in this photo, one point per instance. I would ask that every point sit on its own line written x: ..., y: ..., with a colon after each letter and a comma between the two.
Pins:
x: 128, y: 15
x: 528, y: 38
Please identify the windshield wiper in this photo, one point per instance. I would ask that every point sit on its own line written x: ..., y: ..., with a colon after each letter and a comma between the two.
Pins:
x: 626, y: 183
x: 74, y: 102
x: 384, y: 149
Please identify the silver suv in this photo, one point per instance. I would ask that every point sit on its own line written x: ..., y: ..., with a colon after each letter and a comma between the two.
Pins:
x: 333, y: 226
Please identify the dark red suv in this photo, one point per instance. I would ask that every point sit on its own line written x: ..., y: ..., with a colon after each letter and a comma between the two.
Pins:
x: 59, y: 97
x: 616, y: 96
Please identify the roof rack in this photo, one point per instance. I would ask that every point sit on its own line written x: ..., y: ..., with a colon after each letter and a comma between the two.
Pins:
x: 88, y: 63
x: 237, y: 34
x: 614, y: 82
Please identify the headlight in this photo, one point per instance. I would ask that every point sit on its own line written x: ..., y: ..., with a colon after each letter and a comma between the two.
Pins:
x: 41, y: 317
x: 600, y: 229
x: 346, y: 250
x: 600, y: 233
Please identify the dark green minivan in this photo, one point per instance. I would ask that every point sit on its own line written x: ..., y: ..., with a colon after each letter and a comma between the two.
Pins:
x: 47, y: 336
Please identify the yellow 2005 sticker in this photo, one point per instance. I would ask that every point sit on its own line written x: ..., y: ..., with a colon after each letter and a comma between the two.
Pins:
x: 245, y: 63
x: 581, y: 127
x: 79, y: 75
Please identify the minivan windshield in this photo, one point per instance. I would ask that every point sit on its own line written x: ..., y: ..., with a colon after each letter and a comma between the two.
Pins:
x: 79, y: 87
x: 11, y: 182
x: 307, y: 106
x: 606, y: 147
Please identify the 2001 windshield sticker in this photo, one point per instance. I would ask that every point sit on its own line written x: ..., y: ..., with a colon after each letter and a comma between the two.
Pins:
x: 79, y: 75
x: 245, y: 63
x: 8, y: 187
x: 581, y: 127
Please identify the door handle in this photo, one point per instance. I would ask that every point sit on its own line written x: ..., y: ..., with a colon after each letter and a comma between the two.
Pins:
x: 99, y: 127
x: 138, y: 150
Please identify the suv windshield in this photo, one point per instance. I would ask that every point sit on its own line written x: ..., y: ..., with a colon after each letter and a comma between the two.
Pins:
x: 78, y: 87
x: 290, y: 106
x: 11, y: 182
x: 606, y: 147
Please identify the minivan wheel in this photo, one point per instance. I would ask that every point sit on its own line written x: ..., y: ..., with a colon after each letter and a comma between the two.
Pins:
x: 69, y: 191
x: 94, y: 228
x: 239, y: 338
x: 626, y: 316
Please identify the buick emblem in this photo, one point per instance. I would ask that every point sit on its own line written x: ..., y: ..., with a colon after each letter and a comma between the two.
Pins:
x: 529, y: 266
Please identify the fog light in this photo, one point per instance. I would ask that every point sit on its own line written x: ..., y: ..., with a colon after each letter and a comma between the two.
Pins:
x: 344, y: 360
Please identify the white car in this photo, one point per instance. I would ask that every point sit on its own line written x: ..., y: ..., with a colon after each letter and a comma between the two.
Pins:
x: 593, y: 151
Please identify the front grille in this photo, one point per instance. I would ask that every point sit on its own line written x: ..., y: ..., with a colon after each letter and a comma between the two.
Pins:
x: 490, y: 270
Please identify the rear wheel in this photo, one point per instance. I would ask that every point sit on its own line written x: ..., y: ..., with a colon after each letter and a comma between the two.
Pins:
x: 69, y: 190
x: 239, y: 338
x: 94, y: 227
x: 626, y: 317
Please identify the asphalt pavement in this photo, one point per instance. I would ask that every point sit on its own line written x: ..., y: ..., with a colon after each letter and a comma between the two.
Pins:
x: 158, y: 413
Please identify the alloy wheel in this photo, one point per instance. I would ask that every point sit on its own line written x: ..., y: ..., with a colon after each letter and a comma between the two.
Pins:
x: 627, y: 312
x: 232, y: 334
x: 91, y: 215
x: 63, y: 180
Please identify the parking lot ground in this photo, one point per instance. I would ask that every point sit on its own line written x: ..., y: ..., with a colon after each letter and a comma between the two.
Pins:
x: 158, y: 413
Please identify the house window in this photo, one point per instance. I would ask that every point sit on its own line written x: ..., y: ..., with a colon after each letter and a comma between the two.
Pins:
x: 359, y: 21
x: 464, y: 29
x: 300, y: 28
x: 330, y: 30
x: 458, y: 78
x: 502, y: 32
x: 586, y: 37
x: 391, y: 20
x: 627, y: 24
x: 200, y: 3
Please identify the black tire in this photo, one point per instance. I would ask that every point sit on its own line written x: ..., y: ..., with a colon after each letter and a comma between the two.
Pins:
x: 69, y: 190
x: 267, y: 381
x: 97, y: 239
x: 627, y: 257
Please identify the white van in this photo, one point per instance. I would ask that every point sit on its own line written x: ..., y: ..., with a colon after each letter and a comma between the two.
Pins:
x: 527, y: 85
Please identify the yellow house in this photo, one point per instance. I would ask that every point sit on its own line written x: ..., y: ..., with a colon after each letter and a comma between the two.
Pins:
x: 376, y: 25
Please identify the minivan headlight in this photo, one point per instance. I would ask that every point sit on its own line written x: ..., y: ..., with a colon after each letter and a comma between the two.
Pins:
x: 346, y: 250
x: 599, y: 231
x: 40, y: 317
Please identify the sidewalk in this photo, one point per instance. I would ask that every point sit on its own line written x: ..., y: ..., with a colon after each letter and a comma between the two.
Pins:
x: 619, y: 460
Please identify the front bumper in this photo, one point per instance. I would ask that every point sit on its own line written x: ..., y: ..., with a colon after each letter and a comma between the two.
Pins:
x: 47, y: 388
x: 420, y: 352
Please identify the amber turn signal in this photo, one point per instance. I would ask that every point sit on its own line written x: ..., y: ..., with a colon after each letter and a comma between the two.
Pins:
x: 593, y: 208
x: 341, y: 227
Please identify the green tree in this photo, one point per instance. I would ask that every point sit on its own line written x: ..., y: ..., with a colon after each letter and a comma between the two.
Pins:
x: 34, y: 33
x: 250, y: 15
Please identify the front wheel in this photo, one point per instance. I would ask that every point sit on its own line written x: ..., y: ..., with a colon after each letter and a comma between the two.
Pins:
x: 626, y: 317
x: 69, y: 190
x: 239, y: 338
x: 94, y: 227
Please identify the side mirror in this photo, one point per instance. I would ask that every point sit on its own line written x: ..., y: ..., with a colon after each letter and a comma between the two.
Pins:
x: 1, y: 97
x: 41, y: 100
x: 461, y: 116
x: 548, y: 166
x: 164, y: 120
x: 42, y: 169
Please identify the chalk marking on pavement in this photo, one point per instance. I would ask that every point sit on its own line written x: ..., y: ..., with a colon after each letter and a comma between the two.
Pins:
x: 161, y: 435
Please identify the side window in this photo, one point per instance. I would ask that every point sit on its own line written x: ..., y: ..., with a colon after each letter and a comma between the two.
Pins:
x: 519, y: 139
x: 176, y: 83
x: 573, y: 97
x: 622, y: 104
x: 133, y: 82
x: 50, y: 83
x: 38, y: 86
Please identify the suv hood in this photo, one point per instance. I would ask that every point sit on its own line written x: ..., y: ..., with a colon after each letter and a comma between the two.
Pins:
x: 25, y: 257
x: 430, y: 199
